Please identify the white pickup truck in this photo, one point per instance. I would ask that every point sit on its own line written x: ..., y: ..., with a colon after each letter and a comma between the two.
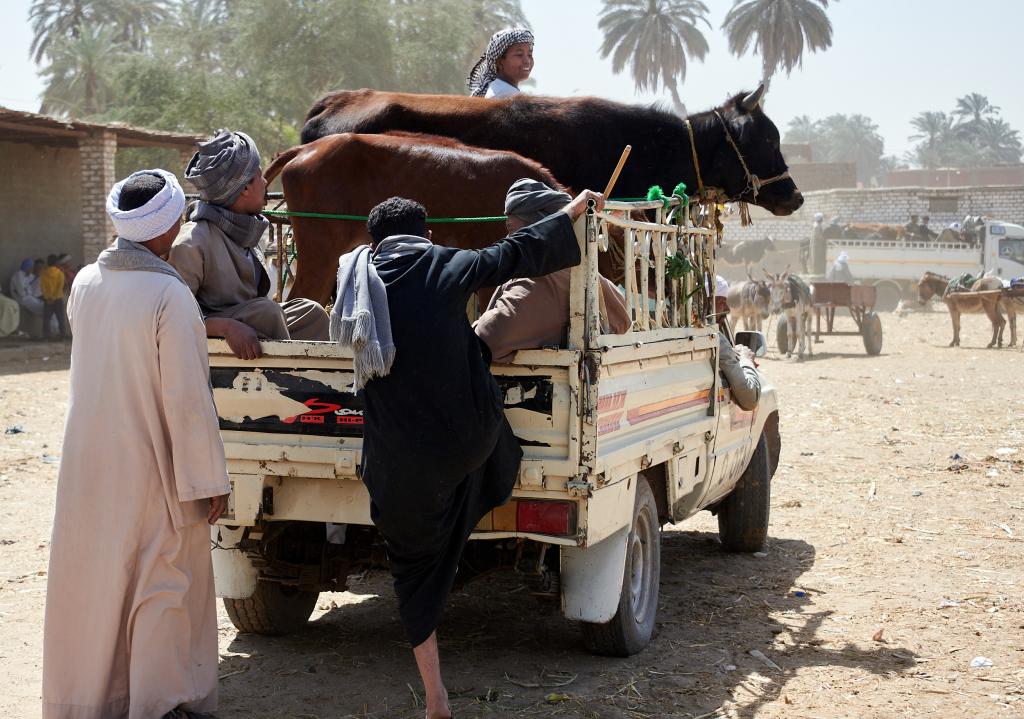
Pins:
x: 621, y: 434
x: 895, y: 266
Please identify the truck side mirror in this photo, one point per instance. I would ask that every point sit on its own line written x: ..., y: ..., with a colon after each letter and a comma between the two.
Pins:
x: 754, y: 340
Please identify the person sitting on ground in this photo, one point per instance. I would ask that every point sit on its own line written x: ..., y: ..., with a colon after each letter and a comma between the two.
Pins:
x: 25, y: 288
x: 218, y: 256
x: 531, y: 313
x: 10, y: 315
x: 51, y: 282
x: 438, y: 452
x: 507, y: 61
x: 840, y: 270
x: 735, y: 362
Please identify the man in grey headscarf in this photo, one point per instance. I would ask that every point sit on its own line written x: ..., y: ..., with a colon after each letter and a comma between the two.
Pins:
x: 531, y: 313
x: 218, y: 254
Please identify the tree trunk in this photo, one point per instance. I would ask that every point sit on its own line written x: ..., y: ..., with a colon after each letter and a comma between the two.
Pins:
x: 677, y: 102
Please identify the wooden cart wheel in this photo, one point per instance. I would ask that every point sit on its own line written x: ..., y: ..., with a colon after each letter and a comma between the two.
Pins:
x: 782, y: 335
x: 871, y: 332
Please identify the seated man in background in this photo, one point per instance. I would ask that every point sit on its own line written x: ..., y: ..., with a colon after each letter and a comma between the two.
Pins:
x: 735, y: 362
x: 217, y: 252
x: 25, y: 289
x: 531, y: 313
x: 840, y: 270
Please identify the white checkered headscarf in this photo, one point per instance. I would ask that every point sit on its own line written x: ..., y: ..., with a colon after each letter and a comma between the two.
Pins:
x: 486, y: 69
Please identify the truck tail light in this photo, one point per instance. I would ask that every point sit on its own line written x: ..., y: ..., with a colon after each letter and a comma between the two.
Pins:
x: 545, y: 517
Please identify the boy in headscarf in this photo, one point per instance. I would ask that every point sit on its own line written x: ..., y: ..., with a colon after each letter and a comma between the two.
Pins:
x: 218, y: 254
x: 507, y: 61
x: 530, y: 313
x: 131, y: 620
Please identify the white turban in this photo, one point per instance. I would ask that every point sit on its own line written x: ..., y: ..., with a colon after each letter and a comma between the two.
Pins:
x: 721, y: 286
x: 843, y: 258
x: 152, y: 219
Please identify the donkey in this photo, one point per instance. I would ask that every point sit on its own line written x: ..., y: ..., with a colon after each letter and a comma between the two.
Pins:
x: 746, y: 252
x: 749, y: 299
x: 936, y: 285
x: 791, y: 295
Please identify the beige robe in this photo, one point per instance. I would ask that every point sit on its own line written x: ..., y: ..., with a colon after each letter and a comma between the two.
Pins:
x: 228, y: 282
x: 533, y: 313
x: 10, y: 315
x: 131, y: 622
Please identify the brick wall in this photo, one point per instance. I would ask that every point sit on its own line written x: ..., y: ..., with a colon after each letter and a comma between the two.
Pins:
x: 40, y: 206
x: 97, y: 177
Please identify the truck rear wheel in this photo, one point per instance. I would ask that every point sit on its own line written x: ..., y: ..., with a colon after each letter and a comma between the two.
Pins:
x: 743, y: 515
x: 273, y: 609
x: 630, y: 630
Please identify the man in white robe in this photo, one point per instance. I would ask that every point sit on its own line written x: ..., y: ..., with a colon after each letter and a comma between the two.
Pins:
x: 131, y: 623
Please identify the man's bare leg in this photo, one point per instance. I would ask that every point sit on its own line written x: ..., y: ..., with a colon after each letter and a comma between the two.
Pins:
x: 429, y: 663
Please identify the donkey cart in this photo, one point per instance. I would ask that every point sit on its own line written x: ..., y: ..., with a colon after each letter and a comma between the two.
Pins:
x: 859, y: 299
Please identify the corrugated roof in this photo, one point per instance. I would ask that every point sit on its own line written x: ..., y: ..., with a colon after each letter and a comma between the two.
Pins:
x: 20, y: 126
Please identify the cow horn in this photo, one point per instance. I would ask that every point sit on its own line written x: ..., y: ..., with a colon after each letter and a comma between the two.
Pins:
x: 753, y: 99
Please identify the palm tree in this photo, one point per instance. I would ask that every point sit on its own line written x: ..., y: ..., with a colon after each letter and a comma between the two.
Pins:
x: 974, y: 107
x: 999, y: 142
x: 54, y: 20
x: 197, y: 29
x: 80, y: 74
x: 779, y: 31
x: 654, y: 37
x: 132, y: 18
x: 802, y: 129
x: 935, y: 131
x: 855, y: 138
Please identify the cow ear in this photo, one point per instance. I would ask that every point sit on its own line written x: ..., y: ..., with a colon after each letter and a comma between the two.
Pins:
x: 752, y: 100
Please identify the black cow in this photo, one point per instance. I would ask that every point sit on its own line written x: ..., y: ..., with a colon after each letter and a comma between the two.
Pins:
x: 580, y: 139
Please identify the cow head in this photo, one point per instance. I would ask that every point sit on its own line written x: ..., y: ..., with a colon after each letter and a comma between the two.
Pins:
x: 756, y: 140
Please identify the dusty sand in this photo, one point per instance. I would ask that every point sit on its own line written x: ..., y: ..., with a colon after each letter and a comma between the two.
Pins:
x: 890, y: 567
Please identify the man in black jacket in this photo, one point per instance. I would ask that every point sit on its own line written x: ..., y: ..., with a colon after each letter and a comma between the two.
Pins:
x: 438, y: 451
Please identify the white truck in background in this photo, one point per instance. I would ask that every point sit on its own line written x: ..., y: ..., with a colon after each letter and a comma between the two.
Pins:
x: 621, y: 434
x: 895, y: 266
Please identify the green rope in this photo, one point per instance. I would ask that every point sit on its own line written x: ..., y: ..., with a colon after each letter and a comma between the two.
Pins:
x: 363, y: 218
x: 439, y: 220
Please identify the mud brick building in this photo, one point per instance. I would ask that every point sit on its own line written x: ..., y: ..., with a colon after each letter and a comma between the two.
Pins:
x: 54, y: 180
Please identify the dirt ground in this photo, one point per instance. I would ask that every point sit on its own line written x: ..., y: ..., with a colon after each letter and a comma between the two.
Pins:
x: 894, y: 563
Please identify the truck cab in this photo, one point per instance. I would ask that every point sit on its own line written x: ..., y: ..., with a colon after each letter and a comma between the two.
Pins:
x: 621, y: 434
x: 1004, y: 250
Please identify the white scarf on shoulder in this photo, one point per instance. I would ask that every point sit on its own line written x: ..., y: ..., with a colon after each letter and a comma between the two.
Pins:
x: 360, y: 318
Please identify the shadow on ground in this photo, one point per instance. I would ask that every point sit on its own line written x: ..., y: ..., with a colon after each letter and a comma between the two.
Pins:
x: 507, y: 653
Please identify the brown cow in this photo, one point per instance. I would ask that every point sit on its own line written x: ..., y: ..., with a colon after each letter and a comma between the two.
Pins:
x: 873, y: 231
x: 579, y: 139
x: 349, y: 174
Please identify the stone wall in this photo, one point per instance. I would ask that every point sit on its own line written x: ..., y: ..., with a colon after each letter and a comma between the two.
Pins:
x: 40, y: 204
x: 889, y: 205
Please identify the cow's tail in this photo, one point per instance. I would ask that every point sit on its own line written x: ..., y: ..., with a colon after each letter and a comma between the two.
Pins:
x: 280, y: 160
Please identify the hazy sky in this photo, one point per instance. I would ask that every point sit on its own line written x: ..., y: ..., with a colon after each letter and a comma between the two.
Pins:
x: 890, y: 59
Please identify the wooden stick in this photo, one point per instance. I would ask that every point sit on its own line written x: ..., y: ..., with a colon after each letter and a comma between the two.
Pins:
x: 618, y: 169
